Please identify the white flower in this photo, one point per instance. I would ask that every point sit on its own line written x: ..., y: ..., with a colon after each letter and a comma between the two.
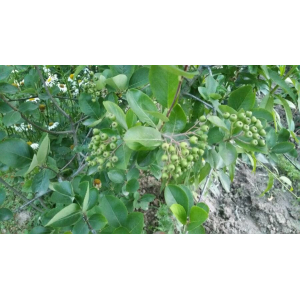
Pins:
x: 15, y: 71
x: 71, y: 78
x: 52, y: 79
x: 34, y: 146
x: 22, y: 127
x: 52, y: 125
x: 46, y: 70
x: 86, y: 71
x: 62, y: 87
x: 35, y: 100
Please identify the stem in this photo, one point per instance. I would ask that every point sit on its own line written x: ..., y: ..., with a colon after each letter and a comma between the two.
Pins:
x: 205, y: 185
x: 85, y: 218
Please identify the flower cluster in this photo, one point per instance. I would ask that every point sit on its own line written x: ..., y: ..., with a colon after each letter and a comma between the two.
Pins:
x: 22, y: 127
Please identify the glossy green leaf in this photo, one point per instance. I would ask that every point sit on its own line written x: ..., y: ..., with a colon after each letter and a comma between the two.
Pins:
x: 97, y: 221
x: 176, y: 195
x: 177, y: 120
x: 43, y: 151
x: 215, y: 135
x: 85, y: 186
x: 131, y: 118
x: 203, y: 206
x: 288, y: 112
x: 283, y: 147
x: 179, y: 72
x: 262, y: 113
x: 228, y: 153
x: 132, y: 185
x: 2, y: 135
x: 225, y: 180
x: 88, y: 107
x: 64, y: 187
x: 116, y: 176
x: 198, y: 214
x: 5, y: 214
x: 195, y: 228
x: 5, y: 72
x: 118, y: 82
x: 66, y: 217
x: 122, y: 69
x: 80, y: 227
x: 117, y: 111
x: 123, y: 153
x: 6, y: 88
x: 41, y: 181
x: 39, y: 230
x: 60, y: 198
x: 121, y: 230
x: 218, y: 122
x: 139, y: 78
x: 179, y: 212
x: 243, y: 97
x: 11, y: 118
x: 134, y: 223
x: 270, y: 184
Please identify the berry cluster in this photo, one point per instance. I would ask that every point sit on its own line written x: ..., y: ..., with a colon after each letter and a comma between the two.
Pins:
x: 249, y: 125
x: 102, y: 149
x: 90, y: 87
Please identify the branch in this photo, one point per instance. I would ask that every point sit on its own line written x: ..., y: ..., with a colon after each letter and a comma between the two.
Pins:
x: 198, y: 99
x: 89, y: 224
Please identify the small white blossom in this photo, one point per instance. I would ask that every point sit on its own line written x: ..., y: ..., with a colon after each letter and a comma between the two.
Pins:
x: 52, y: 125
x: 51, y: 81
x: 34, y: 146
x: 15, y: 71
x: 35, y: 100
x: 62, y: 87
x: 22, y: 127
x: 46, y: 70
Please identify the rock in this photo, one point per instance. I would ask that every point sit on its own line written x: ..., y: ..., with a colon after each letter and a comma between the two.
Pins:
x: 280, y: 218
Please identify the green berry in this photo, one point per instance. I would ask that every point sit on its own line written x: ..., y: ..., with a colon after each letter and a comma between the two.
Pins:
x: 205, y: 128
x: 171, y: 167
x: 226, y: 115
x: 253, y: 129
x: 100, y: 168
x: 190, y: 158
x: 193, y: 139
x: 96, y: 131
x: 109, y: 165
x: 196, y: 156
x: 112, y: 146
x: 112, y: 117
x: 202, y: 119
x: 165, y: 158
x: 178, y: 170
x: 164, y: 176
x: 100, y: 161
x: 256, y: 136
x: 184, y: 162
x: 262, y: 132
x: 114, y: 124
x: 248, y: 121
x: 172, y: 149
x: 249, y: 134
x: 113, y: 138
x: 183, y: 145
x: 253, y: 119
x: 202, y: 145
x: 249, y: 114
x: 204, y: 137
x: 165, y: 146
x: 254, y: 142
x: 199, y: 132
x: 114, y: 159
x: 105, y: 154
x: 246, y: 127
x: 195, y: 150
x: 102, y: 147
x: 239, y: 124
x: 185, y: 152
x: 174, y: 157
x: 259, y: 126
x: 261, y: 143
x: 233, y: 117
x: 103, y: 136
x: 242, y: 116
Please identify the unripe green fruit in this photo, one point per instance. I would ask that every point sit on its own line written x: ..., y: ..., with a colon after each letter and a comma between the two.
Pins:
x: 89, y: 163
x: 178, y: 170
x: 204, y: 137
x: 226, y: 115
x: 196, y: 156
x: 185, y: 152
x: 199, y: 132
x: 184, y: 162
x: 96, y: 138
x: 190, y: 158
x: 105, y: 154
x: 103, y: 136
x: 96, y: 131
x: 164, y: 176
x: 90, y: 91
x: 113, y: 138
x: 112, y: 146
x: 254, y: 142
x: 202, y: 119
x: 165, y: 146
x: 102, y: 147
x: 249, y: 114
x: 253, y: 119
x: 233, y: 117
x: 172, y: 149
x: 114, y: 159
x: 256, y: 136
x: 171, y: 167
x: 253, y: 129
x: 93, y: 163
x: 246, y: 127
x: 204, y: 128
x: 174, y: 157
x: 98, y: 152
x: 261, y: 143
x: 94, y: 153
x: 109, y: 165
x: 93, y: 99
x: 202, y: 145
x: 100, y: 168
x: 248, y: 121
x: 259, y: 126
x: 165, y: 168
x: 193, y: 139
x: 195, y: 150
x: 239, y: 124
x: 88, y: 158
x: 249, y: 134
x: 262, y: 132
x: 114, y: 124
x: 100, y: 161
x: 90, y: 146
x: 183, y: 145
x: 111, y: 117
x: 242, y: 116
x: 97, y: 143
x: 164, y: 158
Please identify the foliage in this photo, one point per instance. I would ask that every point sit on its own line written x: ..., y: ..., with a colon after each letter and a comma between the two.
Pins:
x: 79, y: 138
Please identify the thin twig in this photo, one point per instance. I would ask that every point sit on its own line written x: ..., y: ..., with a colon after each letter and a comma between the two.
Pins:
x: 198, y: 99
x: 89, y: 224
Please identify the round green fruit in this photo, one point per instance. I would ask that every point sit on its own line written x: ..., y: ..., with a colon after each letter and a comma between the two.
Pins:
x: 172, y: 149
x: 261, y: 143
x: 262, y: 132
x: 183, y: 145
x: 164, y: 176
x: 246, y: 127
x: 254, y: 142
x: 112, y: 146
x: 195, y: 150
x: 105, y: 154
x: 113, y: 138
x: 248, y: 121
x: 226, y: 115
x: 185, y: 152
x: 174, y: 157
x: 253, y: 129
x: 239, y: 124
x: 114, y: 124
x: 233, y: 117
x: 96, y: 131
x: 249, y: 134
x: 190, y: 158
x: 201, y: 152
x: 249, y: 114
x: 202, y: 119
x: 171, y: 167
x: 165, y: 146
x: 242, y: 116
x: 253, y: 119
x: 205, y: 128
x: 103, y: 136
x: 165, y: 158
x: 194, y: 139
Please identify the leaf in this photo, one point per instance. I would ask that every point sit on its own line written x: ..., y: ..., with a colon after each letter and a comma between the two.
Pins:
x: 175, y: 194
x: 157, y: 115
x: 80, y: 227
x: 5, y: 71
x: 117, y: 111
x: 132, y: 185
x: 218, y: 122
x: 15, y: 153
x: 215, y: 135
x: 6, y: 88
x: 140, y: 103
x: 271, y: 138
x: 243, y: 97
x: 122, y: 69
x: 288, y: 112
x: 33, y: 165
x: 28, y: 106
x: 198, y: 214
x: 39, y: 230
x: 203, y: 206
x: 270, y: 184
x: 179, y: 212
x: 97, y: 221
x: 133, y: 173
x: 280, y: 82
x: 11, y: 118
x: 116, y: 176
x: 228, y: 153
x: 123, y: 153
x: 225, y: 180
x: 60, y: 198
x: 121, y: 230
x: 142, y: 138
x: 78, y: 70
x: 248, y: 147
x: 179, y: 72
x: 64, y: 187
x: 2, y: 135
x: 195, y: 228
x: 283, y: 147
x: 118, y: 82
x: 177, y: 120
x: 43, y: 151
x: 88, y: 107
x: 113, y: 209
x: 163, y: 84
x: 189, y: 196
x: 2, y: 196
x: 5, y: 214
x: 139, y: 78
x: 66, y: 217
x: 262, y: 113
x: 211, y: 85
x: 134, y: 223
x: 85, y: 186
x: 41, y: 181
x: 131, y: 118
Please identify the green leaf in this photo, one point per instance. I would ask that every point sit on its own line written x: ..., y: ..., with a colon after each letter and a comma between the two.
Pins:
x: 288, y: 112
x: 121, y: 230
x: 122, y: 69
x: 215, y: 136
x: 88, y: 107
x: 85, y: 186
x: 163, y: 84
x: 177, y: 120
x: 270, y: 184
x: 123, y: 153
x: 131, y: 118
x: 195, y: 228
x: 175, y: 194
x: 64, y: 187
x: 211, y: 85
x: 133, y: 173
x: 179, y: 212
x: 41, y: 181
x: 116, y: 176
x: 142, y: 138
x: 80, y: 227
x: 11, y: 118
x: 218, y: 122
x: 157, y: 115
x: 15, y: 153
x: 132, y: 185
x: 78, y: 70
x: 145, y: 158
x: 283, y: 147
x: 66, y: 217
x: 249, y: 147
x: 134, y: 223
x: 280, y: 82
x: 60, y: 198
x: 6, y: 88
x: 198, y: 214
x: 225, y: 109
x: 43, y: 151
x: 262, y: 113
x: 39, y: 230
x: 203, y: 206
x: 271, y: 137
x: 97, y: 221
x: 118, y: 82
x: 228, y: 153
x: 189, y: 195
x: 28, y: 106
x: 179, y: 72
x: 5, y: 71
x: 2, y: 135
x: 243, y: 97
x: 2, y: 196
x: 5, y: 214
x: 113, y: 209
x: 140, y: 103
x: 139, y: 78
x: 33, y: 165
x: 225, y: 180
x: 117, y: 111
